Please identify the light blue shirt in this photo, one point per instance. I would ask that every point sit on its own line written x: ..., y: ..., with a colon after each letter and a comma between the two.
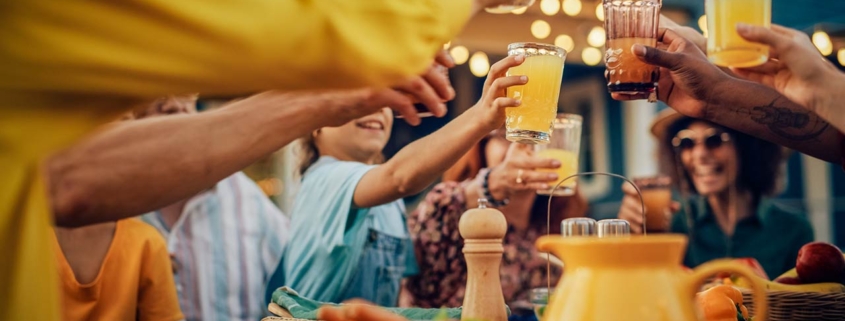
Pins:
x: 329, y: 235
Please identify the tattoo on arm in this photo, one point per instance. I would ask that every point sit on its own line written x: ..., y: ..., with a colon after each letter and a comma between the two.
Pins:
x: 785, y: 122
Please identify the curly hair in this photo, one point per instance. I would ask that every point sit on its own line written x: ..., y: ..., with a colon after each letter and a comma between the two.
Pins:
x: 759, y: 161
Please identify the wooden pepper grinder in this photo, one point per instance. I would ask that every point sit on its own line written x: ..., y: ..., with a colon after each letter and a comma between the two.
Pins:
x: 483, y: 230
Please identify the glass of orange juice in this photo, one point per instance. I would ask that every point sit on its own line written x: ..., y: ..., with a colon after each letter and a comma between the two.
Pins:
x: 565, y: 145
x: 627, y: 23
x: 531, y: 123
x: 724, y: 45
x: 657, y: 196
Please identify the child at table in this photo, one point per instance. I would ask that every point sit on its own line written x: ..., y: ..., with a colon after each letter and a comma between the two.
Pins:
x: 350, y: 238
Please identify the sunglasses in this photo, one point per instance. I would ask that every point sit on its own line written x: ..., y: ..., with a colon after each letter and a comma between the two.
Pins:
x: 684, y: 140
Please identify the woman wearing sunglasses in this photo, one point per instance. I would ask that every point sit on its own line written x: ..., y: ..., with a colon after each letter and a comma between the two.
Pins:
x: 724, y: 178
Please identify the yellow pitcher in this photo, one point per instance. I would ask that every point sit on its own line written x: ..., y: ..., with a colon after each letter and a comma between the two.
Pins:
x: 636, y: 278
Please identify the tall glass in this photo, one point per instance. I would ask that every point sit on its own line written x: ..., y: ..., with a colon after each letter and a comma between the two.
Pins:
x: 627, y: 23
x: 564, y: 146
x: 531, y: 123
x: 724, y: 45
x: 511, y: 6
x: 657, y: 196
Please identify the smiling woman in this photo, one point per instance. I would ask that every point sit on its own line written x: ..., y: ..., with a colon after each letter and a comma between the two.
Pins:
x: 725, y: 178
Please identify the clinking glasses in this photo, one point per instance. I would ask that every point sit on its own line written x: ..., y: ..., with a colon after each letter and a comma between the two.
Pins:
x: 712, y: 140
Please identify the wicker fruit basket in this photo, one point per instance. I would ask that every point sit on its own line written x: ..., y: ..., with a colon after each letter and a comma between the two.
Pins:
x: 801, y: 306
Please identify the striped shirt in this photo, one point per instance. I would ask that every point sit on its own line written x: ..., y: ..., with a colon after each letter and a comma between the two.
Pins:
x: 224, y: 248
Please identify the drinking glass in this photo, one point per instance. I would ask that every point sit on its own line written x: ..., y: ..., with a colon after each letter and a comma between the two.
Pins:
x: 627, y: 23
x: 531, y: 123
x: 657, y: 196
x: 511, y: 6
x: 564, y: 145
x: 724, y: 45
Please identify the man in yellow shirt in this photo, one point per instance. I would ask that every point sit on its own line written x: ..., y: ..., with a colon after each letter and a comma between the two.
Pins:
x: 66, y: 67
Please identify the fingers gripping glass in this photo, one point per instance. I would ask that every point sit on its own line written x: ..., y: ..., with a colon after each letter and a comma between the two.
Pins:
x: 685, y: 141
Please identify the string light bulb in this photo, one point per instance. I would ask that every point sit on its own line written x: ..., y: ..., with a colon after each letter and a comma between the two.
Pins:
x: 596, y: 37
x: 591, y: 56
x: 540, y: 29
x: 822, y: 41
x: 565, y: 42
x: 479, y: 65
x: 600, y: 11
x: 572, y: 7
x: 549, y: 7
x: 841, y: 57
x: 460, y: 54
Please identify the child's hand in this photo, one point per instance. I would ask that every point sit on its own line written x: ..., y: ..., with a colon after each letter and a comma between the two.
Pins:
x: 491, y: 106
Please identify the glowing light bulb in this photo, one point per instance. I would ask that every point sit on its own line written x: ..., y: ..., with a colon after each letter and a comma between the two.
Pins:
x: 841, y: 57
x: 541, y: 29
x: 822, y: 41
x: 591, y: 56
x: 596, y: 37
x: 565, y: 42
x: 479, y: 65
x: 549, y: 7
x: 600, y: 11
x: 572, y: 7
x: 460, y: 54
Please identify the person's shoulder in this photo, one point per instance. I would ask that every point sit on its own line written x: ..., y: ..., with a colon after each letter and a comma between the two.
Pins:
x: 141, y: 233
x: 328, y: 164
x: 786, y: 216
x: 331, y: 173
x: 784, y: 213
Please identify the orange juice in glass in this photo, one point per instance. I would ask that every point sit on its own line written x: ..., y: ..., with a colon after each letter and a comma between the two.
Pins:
x: 724, y: 45
x: 531, y: 123
x: 564, y: 145
x: 657, y: 196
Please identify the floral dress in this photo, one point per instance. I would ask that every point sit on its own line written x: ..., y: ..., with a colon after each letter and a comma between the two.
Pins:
x: 438, y: 244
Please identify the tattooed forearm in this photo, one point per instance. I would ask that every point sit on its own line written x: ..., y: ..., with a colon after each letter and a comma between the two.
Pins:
x: 785, y: 122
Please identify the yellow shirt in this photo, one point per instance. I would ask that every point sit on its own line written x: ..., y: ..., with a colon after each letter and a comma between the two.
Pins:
x: 68, y: 66
x: 135, y: 281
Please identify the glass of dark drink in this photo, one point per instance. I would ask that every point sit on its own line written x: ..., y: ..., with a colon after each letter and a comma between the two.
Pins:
x: 627, y: 23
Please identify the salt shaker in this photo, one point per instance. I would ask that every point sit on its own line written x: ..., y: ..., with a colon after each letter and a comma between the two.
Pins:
x: 612, y: 228
x: 579, y: 226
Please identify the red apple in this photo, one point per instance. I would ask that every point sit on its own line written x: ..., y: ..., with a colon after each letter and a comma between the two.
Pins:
x: 820, y: 262
x: 789, y: 280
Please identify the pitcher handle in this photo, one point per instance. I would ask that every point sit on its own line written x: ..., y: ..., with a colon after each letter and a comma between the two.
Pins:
x: 759, y: 295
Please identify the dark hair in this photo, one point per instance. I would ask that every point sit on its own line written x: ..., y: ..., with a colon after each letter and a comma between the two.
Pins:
x: 759, y: 161
x: 308, y: 153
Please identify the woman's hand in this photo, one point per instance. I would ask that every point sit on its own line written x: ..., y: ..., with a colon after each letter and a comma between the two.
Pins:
x: 518, y: 172
x: 490, y: 109
x: 632, y: 211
